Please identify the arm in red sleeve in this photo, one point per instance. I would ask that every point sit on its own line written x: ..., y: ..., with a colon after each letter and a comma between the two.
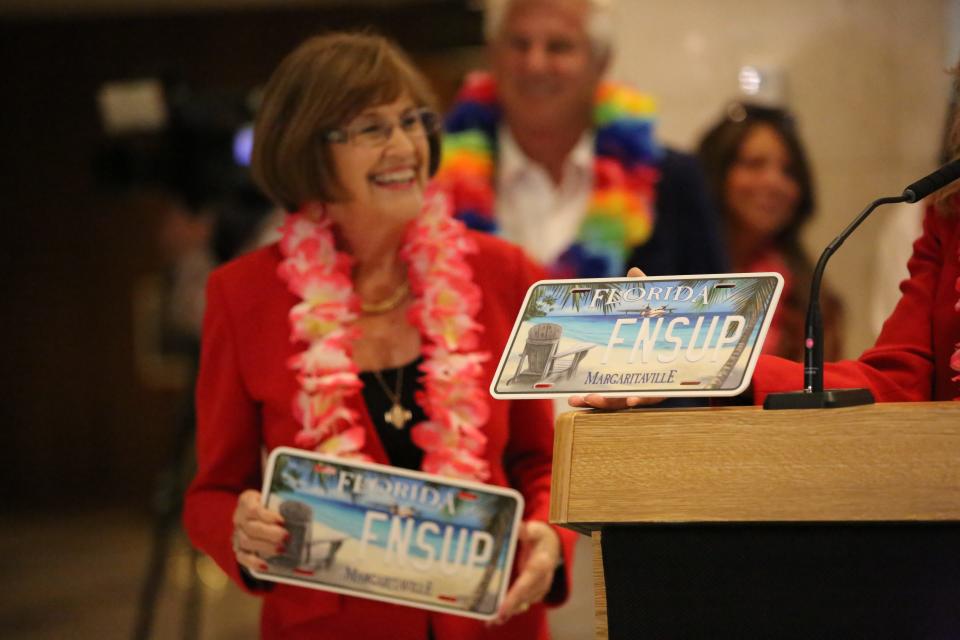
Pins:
x: 899, y: 367
x: 228, y: 438
x: 528, y: 458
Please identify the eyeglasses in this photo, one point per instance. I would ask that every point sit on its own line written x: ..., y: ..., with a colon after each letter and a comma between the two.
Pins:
x: 374, y: 131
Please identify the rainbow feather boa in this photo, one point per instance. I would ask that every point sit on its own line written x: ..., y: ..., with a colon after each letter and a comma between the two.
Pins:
x: 620, y: 214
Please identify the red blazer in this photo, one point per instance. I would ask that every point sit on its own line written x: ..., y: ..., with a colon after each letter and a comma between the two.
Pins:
x: 244, y: 397
x: 911, y: 359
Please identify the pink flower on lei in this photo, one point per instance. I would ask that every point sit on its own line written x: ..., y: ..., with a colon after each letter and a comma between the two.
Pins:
x: 452, y: 402
x: 448, y: 453
x: 322, y: 413
x: 447, y: 315
x: 346, y: 444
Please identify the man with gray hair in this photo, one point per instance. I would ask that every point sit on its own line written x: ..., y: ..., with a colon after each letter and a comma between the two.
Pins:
x: 547, y: 154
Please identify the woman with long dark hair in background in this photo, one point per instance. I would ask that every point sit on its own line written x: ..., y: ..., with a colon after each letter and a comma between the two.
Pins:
x: 760, y: 178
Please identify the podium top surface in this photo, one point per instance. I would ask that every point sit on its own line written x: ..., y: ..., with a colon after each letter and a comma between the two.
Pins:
x: 883, y: 462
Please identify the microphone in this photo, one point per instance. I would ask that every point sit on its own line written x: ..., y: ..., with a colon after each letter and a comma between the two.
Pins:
x: 813, y: 395
x: 936, y: 180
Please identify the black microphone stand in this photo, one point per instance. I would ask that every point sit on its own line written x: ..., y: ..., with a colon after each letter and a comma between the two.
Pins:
x: 813, y: 395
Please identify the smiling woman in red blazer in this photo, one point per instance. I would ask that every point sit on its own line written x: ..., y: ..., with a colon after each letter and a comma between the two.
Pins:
x: 369, y: 331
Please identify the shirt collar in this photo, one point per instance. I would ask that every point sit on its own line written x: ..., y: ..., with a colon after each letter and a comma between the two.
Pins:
x: 512, y: 162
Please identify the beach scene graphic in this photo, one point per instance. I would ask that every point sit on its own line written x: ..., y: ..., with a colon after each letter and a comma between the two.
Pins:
x: 390, y: 534
x: 656, y: 336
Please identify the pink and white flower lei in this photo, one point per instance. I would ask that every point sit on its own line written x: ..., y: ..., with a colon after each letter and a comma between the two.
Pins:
x: 444, y: 310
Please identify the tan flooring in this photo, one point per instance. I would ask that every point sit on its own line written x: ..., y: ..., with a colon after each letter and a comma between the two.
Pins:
x: 79, y: 576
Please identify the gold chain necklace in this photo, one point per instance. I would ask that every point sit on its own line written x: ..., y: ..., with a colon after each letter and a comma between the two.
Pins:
x: 398, y: 415
x: 388, y: 304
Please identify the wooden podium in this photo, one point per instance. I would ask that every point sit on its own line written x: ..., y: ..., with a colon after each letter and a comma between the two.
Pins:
x: 666, y: 470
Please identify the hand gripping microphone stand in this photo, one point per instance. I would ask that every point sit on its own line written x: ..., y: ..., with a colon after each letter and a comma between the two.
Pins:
x: 813, y: 395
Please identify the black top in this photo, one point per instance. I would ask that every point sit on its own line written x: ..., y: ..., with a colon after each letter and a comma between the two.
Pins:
x: 401, y: 451
x: 687, y: 237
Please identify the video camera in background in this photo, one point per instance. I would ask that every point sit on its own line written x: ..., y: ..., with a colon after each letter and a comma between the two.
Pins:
x: 193, y: 145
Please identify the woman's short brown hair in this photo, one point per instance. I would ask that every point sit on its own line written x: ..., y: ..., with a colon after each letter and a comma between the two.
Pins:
x: 321, y: 86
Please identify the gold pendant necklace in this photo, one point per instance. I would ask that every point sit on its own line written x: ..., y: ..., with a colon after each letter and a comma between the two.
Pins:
x: 391, y: 303
x: 398, y: 415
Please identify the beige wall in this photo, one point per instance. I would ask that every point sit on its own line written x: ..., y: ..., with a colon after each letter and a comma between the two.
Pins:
x: 865, y: 79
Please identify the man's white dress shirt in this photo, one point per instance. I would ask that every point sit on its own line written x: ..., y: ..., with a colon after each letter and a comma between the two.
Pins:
x: 532, y: 211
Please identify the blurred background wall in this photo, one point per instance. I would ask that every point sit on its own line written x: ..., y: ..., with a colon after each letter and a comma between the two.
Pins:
x: 85, y: 428
x: 866, y: 80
